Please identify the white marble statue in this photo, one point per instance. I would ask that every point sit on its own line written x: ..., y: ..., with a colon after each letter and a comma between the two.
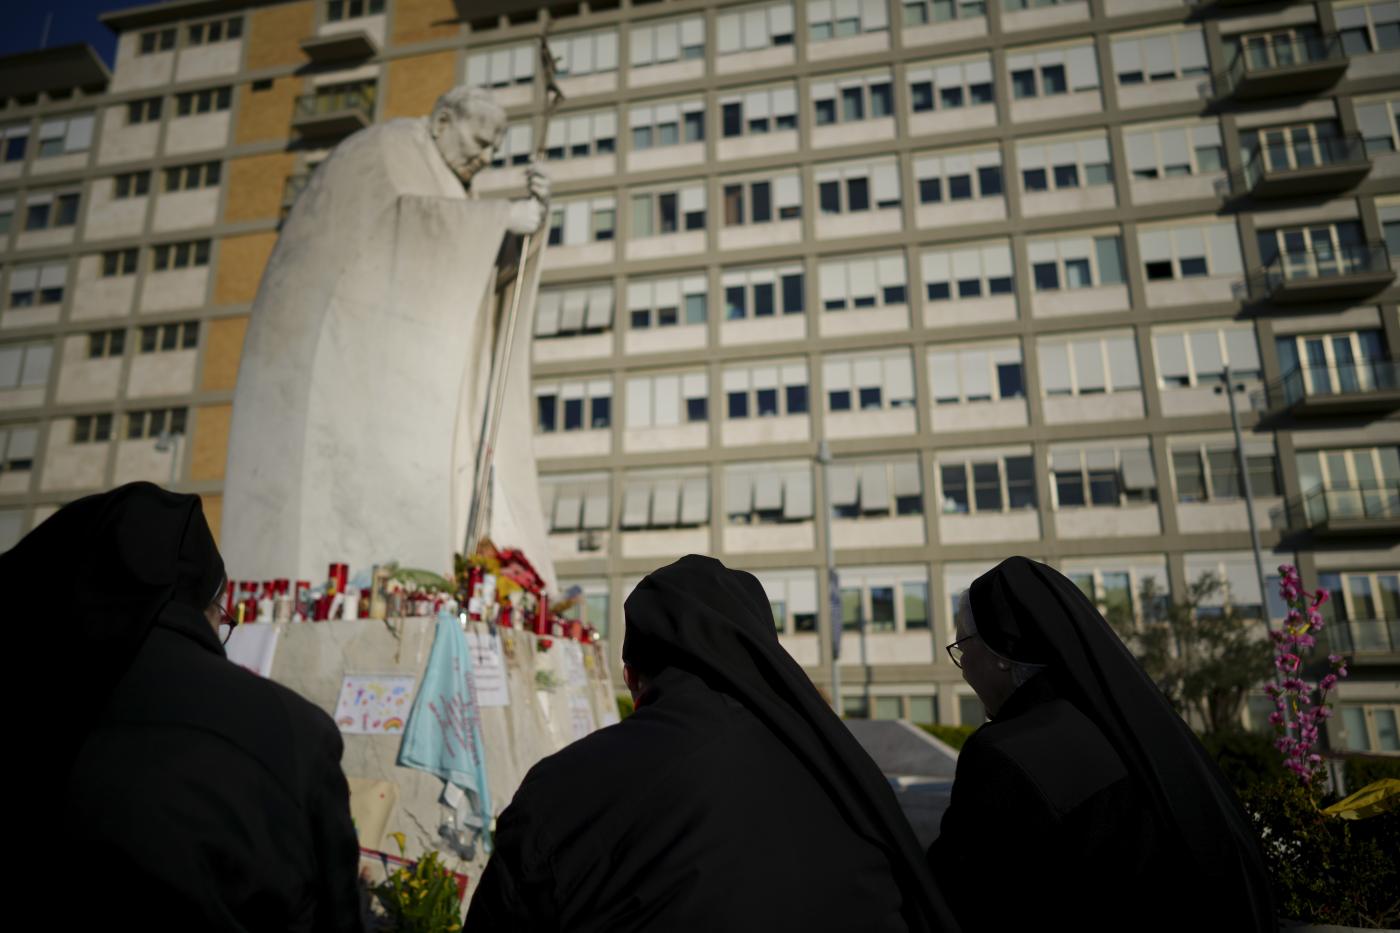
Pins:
x: 360, y: 394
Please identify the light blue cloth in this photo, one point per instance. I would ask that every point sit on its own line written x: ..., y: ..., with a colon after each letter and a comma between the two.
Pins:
x: 443, y: 736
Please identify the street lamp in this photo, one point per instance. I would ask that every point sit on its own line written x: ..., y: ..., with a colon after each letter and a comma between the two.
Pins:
x: 169, y: 440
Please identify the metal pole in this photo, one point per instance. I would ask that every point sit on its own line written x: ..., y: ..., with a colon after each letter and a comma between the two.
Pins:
x: 1248, y: 502
x: 833, y: 593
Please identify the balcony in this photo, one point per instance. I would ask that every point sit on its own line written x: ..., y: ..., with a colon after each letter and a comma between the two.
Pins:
x: 1344, y: 389
x: 1282, y: 66
x: 339, y: 48
x: 1364, y: 637
x: 1367, y: 510
x: 329, y: 115
x: 1325, y: 166
x: 1321, y: 275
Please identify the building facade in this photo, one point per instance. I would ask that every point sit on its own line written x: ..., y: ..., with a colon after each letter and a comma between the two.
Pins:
x: 997, y: 255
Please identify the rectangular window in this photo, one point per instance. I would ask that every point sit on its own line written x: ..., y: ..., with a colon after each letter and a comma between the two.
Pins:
x: 119, y: 262
x: 988, y: 485
x: 218, y: 30
x: 131, y: 185
x: 751, y: 28
x: 864, y: 282
x: 1102, y: 476
x: 1088, y: 365
x: 92, y: 429
x: 669, y: 124
x: 156, y: 40
x: 1065, y: 163
x: 105, y: 343
x: 146, y: 110
x: 582, y: 405
x: 851, y: 99
x: 65, y: 135
x: 876, y: 381
x: 337, y: 10
x: 209, y: 100
x: 668, y: 41
x: 951, y: 84
x: 191, y: 177
x: 975, y: 374
x: 185, y: 255
x: 1076, y: 262
x: 577, y: 55
x: 840, y: 19
x: 969, y: 272
x: 1161, y: 57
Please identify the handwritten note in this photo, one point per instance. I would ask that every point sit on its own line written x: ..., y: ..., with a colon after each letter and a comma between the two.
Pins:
x: 374, y: 704
x: 252, y: 647
x: 489, y: 670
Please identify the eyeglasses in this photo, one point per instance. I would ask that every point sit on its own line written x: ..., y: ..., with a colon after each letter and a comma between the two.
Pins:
x: 226, y: 619
x: 955, y: 650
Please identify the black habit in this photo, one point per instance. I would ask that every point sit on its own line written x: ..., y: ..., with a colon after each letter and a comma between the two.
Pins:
x: 732, y: 799
x: 1087, y: 803
x: 186, y: 793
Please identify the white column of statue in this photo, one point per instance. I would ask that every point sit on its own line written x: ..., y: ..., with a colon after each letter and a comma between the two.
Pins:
x: 362, y: 386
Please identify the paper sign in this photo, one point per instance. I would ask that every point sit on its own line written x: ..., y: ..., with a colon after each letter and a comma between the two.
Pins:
x: 574, y: 674
x: 252, y: 647
x: 488, y: 670
x: 580, y: 716
x: 374, y: 704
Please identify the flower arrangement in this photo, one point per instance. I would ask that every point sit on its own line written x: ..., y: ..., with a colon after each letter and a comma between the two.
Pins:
x: 421, y: 897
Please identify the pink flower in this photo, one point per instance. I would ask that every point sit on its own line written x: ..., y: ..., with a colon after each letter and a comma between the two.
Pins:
x: 1276, y: 718
x: 1335, y: 659
x: 1287, y: 662
x: 1305, y: 641
x: 1328, y: 682
x: 1320, y: 597
x: 1287, y: 570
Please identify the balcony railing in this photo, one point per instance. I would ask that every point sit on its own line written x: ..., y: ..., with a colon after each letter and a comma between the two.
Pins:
x: 1283, y: 65
x: 1372, y: 384
x: 1317, y: 274
x: 1329, y: 163
x: 334, y: 113
x: 1366, y: 508
x: 1364, y: 636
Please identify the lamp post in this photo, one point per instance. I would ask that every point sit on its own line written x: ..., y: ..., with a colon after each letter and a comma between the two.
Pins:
x: 833, y: 586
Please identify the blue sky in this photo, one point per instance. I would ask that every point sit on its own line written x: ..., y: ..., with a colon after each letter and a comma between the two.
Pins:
x: 22, y: 24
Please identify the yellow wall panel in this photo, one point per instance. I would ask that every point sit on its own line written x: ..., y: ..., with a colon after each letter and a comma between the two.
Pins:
x: 275, y: 34
x: 266, y: 114
x: 210, y: 447
x: 255, y: 186
x: 241, y: 263
x: 416, y: 83
x: 213, y: 513
x: 223, y: 348
x: 421, y: 20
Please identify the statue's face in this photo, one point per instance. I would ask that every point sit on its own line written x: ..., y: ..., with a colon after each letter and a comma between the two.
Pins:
x: 468, y: 144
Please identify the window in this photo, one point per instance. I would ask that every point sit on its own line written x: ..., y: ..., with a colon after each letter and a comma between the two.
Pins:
x: 164, y: 338
x: 209, y: 100
x: 154, y: 422
x: 1050, y: 72
x: 869, y: 381
x: 1075, y: 262
x: 669, y: 302
x: 857, y: 188
x: 577, y: 222
x: 864, y: 282
x: 577, y: 503
x: 958, y: 176
x: 951, y: 84
x: 185, y: 255
x: 337, y: 10
x: 762, y: 293
x: 1362, y: 606
x: 762, y: 201
x: 876, y: 488
x: 1102, y: 476
x: 39, y: 284
x: 852, y: 99
x: 919, y: 12
x: 765, y: 390
x: 1323, y: 249
x: 667, y: 400
x: 50, y: 210
x: 146, y: 110
x: 65, y: 136
x: 92, y: 429
x: 131, y: 185
x: 1190, y: 252
x: 14, y: 142
x: 1240, y: 590
x: 751, y: 28
x: 1379, y: 121
x: 1373, y: 27
x: 1062, y: 164
x: 1390, y: 226
x: 1088, y: 365
x: 1371, y: 727
x: 119, y: 262
x: 1161, y: 57
x: 25, y: 365
x: 981, y: 373
x: 1335, y: 363
x: 986, y: 484
x: 972, y: 272
x: 1374, y: 472
x: 667, y: 41
x: 106, y: 343
x: 156, y: 40
x: 582, y: 309
x: 1197, y: 355
x: 793, y: 596
x: 878, y: 599
x: 516, y: 146
x: 768, y: 493
x: 665, y: 499
x: 1282, y: 47
x: 661, y: 213
x: 1299, y: 146
x: 1117, y: 586
x: 754, y: 113
x: 219, y: 30
x: 190, y: 177
x: 840, y: 19
x: 1209, y: 471
x: 1173, y: 151
x: 667, y: 124
x: 578, y: 55
x: 577, y: 137
x: 17, y: 445
x: 576, y: 405
x: 7, y: 214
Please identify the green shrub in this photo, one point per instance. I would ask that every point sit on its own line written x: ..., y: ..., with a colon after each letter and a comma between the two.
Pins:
x: 951, y: 735
x: 1245, y: 758
x: 1362, y: 770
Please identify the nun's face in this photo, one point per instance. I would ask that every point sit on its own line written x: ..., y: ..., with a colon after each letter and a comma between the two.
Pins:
x: 988, y: 675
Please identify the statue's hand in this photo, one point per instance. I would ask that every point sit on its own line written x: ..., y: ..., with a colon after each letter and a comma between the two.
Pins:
x: 537, y: 181
x: 527, y: 215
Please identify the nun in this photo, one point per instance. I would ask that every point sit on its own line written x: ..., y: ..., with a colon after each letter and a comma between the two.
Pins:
x: 177, y: 791
x: 732, y: 799
x: 1085, y: 802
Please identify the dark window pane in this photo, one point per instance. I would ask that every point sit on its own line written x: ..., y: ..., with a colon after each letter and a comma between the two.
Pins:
x: 732, y: 116
x: 858, y: 194
x: 545, y: 408
x: 667, y: 206
x: 930, y: 190
x: 1009, y: 380
x: 1047, y: 276
x: 763, y: 300
x: 870, y: 398
x: 989, y: 180
x: 734, y: 304
x: 761, y: 195
x: 738, y: 404
x: 573, y: 414
x: 1103, y: 486
x: 767, y: 402
x: 959, y: 187
x: 793, y: 300
x: 1070, y: 487
x: 1053, y: 77
x: 697, y: 409
x: 839, y: 399
x: 921, y: 96
x: 1066, y: 176
x: 829, y: 197
x: 796, y: 400
x: 954, y: 488
x: 601, y: 411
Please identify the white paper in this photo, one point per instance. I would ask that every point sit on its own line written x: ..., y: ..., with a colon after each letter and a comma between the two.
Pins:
x: 374, y: 704
x: 252, y: 647
x: 488, y: 670
x: 574, y: 674
x: 580, y: 716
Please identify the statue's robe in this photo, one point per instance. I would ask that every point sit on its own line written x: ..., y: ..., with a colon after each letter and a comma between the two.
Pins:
x: 361, y: 390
